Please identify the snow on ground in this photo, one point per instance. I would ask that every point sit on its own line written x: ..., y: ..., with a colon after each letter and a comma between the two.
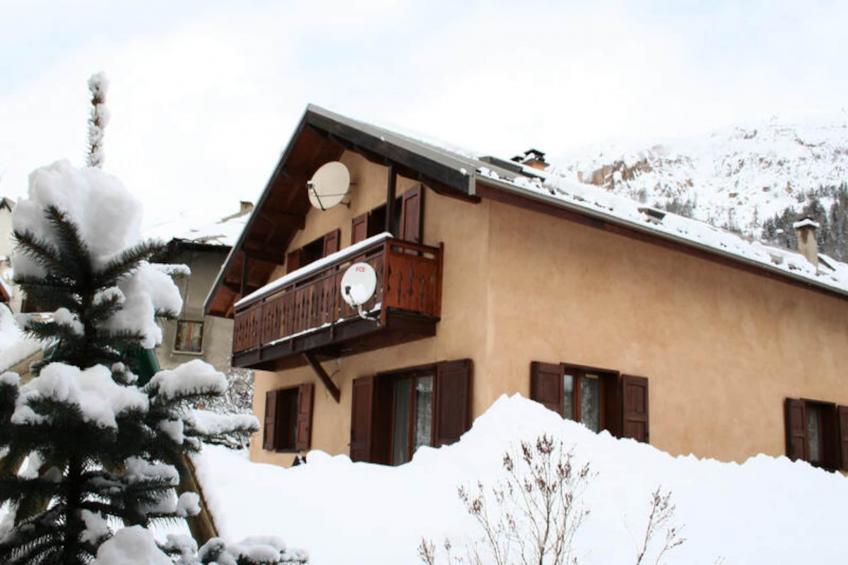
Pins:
x: 14, y: 345
x: 767, y: 510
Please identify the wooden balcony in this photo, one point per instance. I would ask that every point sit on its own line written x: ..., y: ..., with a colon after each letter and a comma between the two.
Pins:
x: 308, y: 314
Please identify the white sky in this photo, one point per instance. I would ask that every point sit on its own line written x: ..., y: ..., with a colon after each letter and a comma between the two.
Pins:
x: 205, y: 93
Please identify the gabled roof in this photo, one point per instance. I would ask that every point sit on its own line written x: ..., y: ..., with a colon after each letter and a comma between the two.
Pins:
x: 322, y: 135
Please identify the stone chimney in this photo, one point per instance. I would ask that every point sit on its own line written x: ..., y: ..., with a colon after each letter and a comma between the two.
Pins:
x: 532, y: 158
x: 805, y: 233
x: 245, y: 207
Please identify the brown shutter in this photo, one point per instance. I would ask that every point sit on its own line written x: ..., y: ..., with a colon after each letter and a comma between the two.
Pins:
x: 361, y: 418
x: 412, y: 205
x: 795, y: 413
x: 451, y: 401
x: 546, y: 385
x: 359, y: 228
x: 303, y: 435
x: 269, y: 442
x: 293, y: 260
x: 634, y: 408
x: 842, y: 425
x: 331, y: 242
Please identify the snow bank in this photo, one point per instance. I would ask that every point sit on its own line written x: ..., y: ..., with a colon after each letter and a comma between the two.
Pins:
x: 131, y: 546
x: 15, y: 346
x: 767, y: 510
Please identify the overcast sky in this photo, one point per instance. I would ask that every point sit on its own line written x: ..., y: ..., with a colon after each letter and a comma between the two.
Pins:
x: 205, y: 93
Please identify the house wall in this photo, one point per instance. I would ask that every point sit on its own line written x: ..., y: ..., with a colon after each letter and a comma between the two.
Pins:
x: 217, y: 332
x: 721, y: 347
x: 461, y: 333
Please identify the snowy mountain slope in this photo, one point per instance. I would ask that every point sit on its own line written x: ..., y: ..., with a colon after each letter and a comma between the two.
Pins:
x: 735, y: 177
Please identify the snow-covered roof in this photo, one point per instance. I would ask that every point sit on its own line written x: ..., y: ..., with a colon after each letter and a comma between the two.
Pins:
x: 597, y: 202
x: 806, y: 222
x: 196, y: 228
x: 15, y: 345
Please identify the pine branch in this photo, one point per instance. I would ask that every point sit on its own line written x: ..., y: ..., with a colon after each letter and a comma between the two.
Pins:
x: 71, y: 243
x: 40, y: 251
x: 126, y: 262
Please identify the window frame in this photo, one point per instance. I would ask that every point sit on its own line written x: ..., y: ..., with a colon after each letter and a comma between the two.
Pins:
x: 289, y: 397
x: 831, y: 437
x: 413, y: 375
x: 176, y: 348
x: 578, y: 373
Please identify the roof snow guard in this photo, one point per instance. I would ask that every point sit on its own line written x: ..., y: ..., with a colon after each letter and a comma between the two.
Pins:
x: 323, y: 135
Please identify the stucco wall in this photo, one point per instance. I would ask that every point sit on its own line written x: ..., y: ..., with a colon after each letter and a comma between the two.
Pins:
x: 461, y: 333
x: 217, y: 332
x: 721, y: 347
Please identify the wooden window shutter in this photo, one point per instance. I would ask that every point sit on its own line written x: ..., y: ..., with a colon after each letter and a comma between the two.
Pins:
x: 331, y: 242
x: 634, y: 408
x: 361, y: 418
x: 452, y: 398
x: 293, y: 260
x: 842, y: 426
x: 359, y: 228
x: 412, y: 206
x: 303, y: 435
x: 269, y: 441
x: 795, y: 413
x: 546, y: 385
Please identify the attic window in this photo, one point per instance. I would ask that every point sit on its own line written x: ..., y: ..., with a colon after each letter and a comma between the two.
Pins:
x: 653, y: 214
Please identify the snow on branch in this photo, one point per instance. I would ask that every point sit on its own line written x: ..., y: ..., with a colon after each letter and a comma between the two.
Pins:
x: 187, y: 381
x: 99, y: 117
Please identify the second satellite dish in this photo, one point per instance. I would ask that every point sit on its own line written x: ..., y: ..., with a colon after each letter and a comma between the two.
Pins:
x: 358, y: 284
x: 329, y: 185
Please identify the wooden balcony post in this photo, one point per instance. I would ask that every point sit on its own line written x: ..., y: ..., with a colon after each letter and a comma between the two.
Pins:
x: 391, y: 194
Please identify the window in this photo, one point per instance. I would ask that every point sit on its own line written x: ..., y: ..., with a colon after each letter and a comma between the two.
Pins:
x: 817, y: 432
x: 406, y: 221
x: 288, y: 418
x: 312, y: 251
x: 395, y: 413
x: 412, y: 415
x: 600, y: 399
x: 189, y: 337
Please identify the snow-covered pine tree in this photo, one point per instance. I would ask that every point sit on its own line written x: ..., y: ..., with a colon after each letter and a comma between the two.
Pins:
x: 97, y: 120
x: 99, y: 448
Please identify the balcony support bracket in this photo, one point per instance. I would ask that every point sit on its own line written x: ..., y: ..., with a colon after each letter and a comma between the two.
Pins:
x: 323, y: 376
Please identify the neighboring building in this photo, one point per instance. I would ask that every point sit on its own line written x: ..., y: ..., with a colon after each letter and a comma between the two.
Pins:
x: 202, y: 247
x: 499, y: 278
x: 9, y: 293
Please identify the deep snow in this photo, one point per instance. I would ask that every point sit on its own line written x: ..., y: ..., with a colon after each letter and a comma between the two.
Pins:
x: 767, y: 510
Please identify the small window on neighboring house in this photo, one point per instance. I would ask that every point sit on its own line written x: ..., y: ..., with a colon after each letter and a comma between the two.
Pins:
x: 817, y: 432
x: 189, y: 337
x: 599, y: 399
x: 288, y: 418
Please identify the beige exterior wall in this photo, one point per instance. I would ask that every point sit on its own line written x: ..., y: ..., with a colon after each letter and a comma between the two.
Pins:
x: 721, y: 347
x: 217, y: 341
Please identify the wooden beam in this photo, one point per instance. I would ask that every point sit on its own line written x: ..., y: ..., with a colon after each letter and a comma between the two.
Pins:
x: 323, y: 376
x: 391, y: 193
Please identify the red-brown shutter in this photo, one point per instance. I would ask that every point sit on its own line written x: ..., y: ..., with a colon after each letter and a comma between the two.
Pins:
x: 331, y: 242
x: 795, y: 413
x: 359, y: 228
x: 842, y: 425
x: 451, y: 401
x: 293, y: 260
x: 303, y: 435
x: 269, y: 441
x: 546, y: 385
x: 634, y: 408
x: 361, y: 418
x: 412, y: 205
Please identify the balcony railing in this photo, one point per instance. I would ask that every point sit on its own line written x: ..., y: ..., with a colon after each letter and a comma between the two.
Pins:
x: 409, y: 282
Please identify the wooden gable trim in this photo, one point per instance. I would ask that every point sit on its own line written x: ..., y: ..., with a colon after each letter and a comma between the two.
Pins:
x: 494, y: 193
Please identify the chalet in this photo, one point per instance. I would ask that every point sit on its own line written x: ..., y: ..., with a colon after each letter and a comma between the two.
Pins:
x: 495, y: 276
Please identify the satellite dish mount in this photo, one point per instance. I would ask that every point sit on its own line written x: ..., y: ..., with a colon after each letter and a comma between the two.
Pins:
x: 358, y: 285
x: 329, y: 186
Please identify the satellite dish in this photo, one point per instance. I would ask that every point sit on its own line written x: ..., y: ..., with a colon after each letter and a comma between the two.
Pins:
x: 329, y: 185
x: 358, y: 284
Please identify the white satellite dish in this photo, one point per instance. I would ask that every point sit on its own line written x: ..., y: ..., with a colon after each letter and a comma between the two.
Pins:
x: 329, y: 185
x: 359, y: 283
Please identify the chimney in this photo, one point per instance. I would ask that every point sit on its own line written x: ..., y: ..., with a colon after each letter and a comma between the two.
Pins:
x: 532, y: 158
x: 245, y: 207
x: 805, y: 233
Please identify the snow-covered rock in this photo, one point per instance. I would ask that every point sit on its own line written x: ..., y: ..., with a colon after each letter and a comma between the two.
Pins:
x: 766, y: 510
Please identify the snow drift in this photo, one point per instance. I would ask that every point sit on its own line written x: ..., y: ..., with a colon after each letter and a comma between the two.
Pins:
x: 767, y: 510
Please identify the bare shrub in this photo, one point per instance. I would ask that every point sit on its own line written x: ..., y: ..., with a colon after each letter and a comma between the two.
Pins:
x: 660, y: 517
